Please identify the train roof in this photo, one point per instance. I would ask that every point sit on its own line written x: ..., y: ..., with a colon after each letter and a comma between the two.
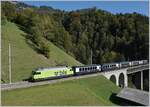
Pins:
x: 110, y: 63
x: 87, y: 65
x: 51, y: 68
x: 125, y: 61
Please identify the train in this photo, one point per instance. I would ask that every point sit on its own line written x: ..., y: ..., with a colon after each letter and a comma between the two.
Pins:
x: 39, y: 74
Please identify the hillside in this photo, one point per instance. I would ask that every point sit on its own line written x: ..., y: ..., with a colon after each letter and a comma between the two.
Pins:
x: 24, y: 56
x: 83, y: 31
x: 92, y: 91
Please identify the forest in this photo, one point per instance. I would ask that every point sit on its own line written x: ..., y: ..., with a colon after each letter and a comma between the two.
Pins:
x: 109, y: 37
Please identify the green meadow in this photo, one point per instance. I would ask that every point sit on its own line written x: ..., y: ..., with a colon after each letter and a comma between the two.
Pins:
x: 92, y: 91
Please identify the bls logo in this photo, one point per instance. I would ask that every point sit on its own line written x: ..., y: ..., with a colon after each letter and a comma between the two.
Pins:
x: 60, y: 73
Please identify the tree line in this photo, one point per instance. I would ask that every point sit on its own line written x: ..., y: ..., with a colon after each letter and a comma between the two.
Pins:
x: 111, y: 38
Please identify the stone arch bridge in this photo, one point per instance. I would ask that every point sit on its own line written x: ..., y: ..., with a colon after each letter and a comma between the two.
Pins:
x: 120, y: 76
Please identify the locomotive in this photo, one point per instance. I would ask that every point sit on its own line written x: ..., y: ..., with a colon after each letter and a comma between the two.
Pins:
x: 65, y: 71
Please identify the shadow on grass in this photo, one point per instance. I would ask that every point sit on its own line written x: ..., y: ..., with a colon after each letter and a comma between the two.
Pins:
x: 113, y: 98
x: 26, y: 79
x: 122, y: 102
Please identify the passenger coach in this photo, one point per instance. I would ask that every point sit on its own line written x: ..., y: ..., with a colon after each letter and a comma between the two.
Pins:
x: 86, y: 69
x: 110, y: 66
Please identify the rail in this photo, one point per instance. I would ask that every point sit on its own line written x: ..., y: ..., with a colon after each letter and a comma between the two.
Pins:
x: 25, y: 84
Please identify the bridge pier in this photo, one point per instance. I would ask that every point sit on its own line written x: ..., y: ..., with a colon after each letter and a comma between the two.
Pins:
x: 117, y: 80
x: 139, y: 76
x: 126, y: 80
x: 141, y: 80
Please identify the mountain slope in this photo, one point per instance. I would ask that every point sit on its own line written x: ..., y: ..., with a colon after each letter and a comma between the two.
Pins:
x: 24, y: 56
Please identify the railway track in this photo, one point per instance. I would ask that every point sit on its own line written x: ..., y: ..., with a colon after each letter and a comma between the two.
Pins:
x: 26, y: 84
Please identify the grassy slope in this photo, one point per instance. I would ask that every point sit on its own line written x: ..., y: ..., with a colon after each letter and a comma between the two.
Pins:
x: 24, y: 58
x: 87, y: 91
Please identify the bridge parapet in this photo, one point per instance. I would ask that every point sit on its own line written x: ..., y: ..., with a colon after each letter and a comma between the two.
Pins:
x: 137, y: 68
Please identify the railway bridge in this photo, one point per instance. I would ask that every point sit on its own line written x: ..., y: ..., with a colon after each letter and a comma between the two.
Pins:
x: 120, y: 76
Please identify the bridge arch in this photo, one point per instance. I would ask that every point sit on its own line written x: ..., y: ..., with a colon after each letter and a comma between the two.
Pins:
x: 121, y: 80
x: 113, y: 79
x: 118, y: 75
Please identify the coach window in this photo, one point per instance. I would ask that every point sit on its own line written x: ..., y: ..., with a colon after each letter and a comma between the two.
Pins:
x: 79, y: 69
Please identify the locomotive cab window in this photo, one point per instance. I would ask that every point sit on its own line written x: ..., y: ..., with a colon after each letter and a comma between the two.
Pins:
x: 36, y: 73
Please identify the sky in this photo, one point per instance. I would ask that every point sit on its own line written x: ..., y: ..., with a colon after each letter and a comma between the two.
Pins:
x: 111, y: 6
